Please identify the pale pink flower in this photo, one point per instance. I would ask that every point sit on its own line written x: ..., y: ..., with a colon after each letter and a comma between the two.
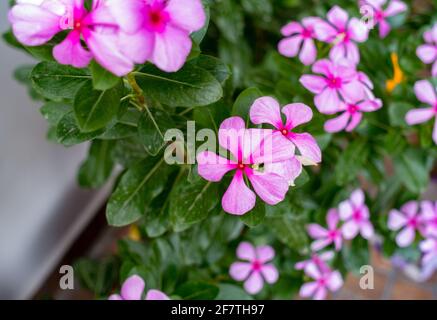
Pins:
x: 352, y: 114
x: 343, y: 33
x: 355, y: 215
x: 256, y: 269
x: 336, y: 81
x: 407, y: 219
x: 267, y: 110
x: 428, y: 51
x: 325, y: 237
x: 133, y: 288
x: 318, y: 260
x: 35, y: 22
x: 158, y: 30
x: 249, y: 149
x: 381, y: 12
x: 367, y: 85
x: 300, y: 37
x: 429, y: 250
x: 425, y: 92
x: 429, y: 217
x: 324, y: 281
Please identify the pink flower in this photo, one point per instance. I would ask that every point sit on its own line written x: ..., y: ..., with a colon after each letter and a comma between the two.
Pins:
x: 337, y: 80
x: 133, y: 288
x: 34, y: 22
x: 342, y: 32
x: 429, y: 250
x: 267, y: 110
x: 158, y: 30
x: 425, y: 93
x: 428, y: 51
x: 318, y: 260
x: 356, y: 216
x: 380, y: 14
x: 255, y: 153
x: 352, y: 114
x: 300, y: 36
x: 325, y: 237
x: 325, y: 280
x: 407, y: 219
x: 257, y: 269
x: 429, y: 217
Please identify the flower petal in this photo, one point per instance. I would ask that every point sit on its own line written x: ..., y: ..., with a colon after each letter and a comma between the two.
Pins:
x: 316, y: 231
x: 138, y: 46
x: 345, y: 210
x: 425, y: 92
x: 337, y: 124
x: 325, y: 32
x: 366, y: 230
x: 266, y: 110
x: 427, y: 53
x: 254, y: 283
x: 132, y: 288
x: 271, y: 188
x: 410, y: 208
x: 308, y: 54
x: 395, y: 7
x: 239, y: 271
x: 338, y: 17
x: 156, y: 295
x: 335, y: 281
x: 246, y: 251
x: 115, y: 297
x: 350, y: 230
x: 320, y: 244
x: 406, y: 237
x: 128, y: 14
x: 328, y: 101
x: 289, y: 169
x: 307, y: 146
x: 291, y: 28
x: 289, y: 47
x: 187, y: 14
x: 358, y: 30
x: 417, y: 116
x: 308, y: 289
x: 71, y: 52
x: 231, y: 134
x: 238, y: 199
x: 212, y: 167
x: 315, y: 84
x: 264, y: 253
x: 297, y: 114
x: 396, y: 220
x: 270, y: 273
x: 332, y: 219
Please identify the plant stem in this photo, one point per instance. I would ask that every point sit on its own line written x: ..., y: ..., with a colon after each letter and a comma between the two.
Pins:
x: 139, y: 95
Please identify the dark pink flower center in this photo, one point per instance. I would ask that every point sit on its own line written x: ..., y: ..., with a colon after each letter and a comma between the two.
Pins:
x: 241, y: 166
x: 157, y: 17
x: 332, y: 234
x: 284, y: 132
x: 343, y: 36
x: 256, y: 265
x: 307, y: 33
x: 379, y: 15
x: 321, y: 282
x: 352, y: 108
x: 357, y: 216
x: 334, y: 82
x: 413, y: 222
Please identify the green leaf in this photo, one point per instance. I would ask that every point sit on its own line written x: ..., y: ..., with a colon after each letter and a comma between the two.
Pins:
x: 244, y: 102
x: 215, y: 66
x: 136, y: 189
x: 68, y: 132
x: 232, y: 292
x: 197, y: 291
x: 411, y: 168
x: 351, y: 161
x: 97, y: 168
x: 54, y: 111
x: 151, y: 129
x: 189, y: 87
x: 255, y: 216
x: 102, y: 78
x: 57, y: 82
x: 95, y: 109
x: 397, y: 112
x: 125, y: 127
x: 356, y: 255
x: 191, y: 202
x: 200, y: 34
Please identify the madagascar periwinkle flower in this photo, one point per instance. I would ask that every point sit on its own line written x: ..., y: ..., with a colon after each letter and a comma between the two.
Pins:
x: 254, y: 153
x: 158, y: 30
x: 355, y: 215
x: 324, y: 281
x: 428, y: 51
x: 299, y: 37
x: 35, y: 22
x: 351, y: 114
x: 266, y: 110
x: 429, y: 217
x: 343, y: 33
x: 133, y: 288
x: 382, y: 11
x: 318, y: 260
x: 324, y: 237
x: 335, y: 82
x: 409, y: 220
x: 256, y: 267
x: 425, y: 92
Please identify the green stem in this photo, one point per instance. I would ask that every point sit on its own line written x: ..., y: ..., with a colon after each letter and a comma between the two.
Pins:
x: 138, y: 92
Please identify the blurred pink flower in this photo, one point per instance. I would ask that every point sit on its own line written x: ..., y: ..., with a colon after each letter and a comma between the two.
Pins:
x: 325, y: 237
x: 429, y: 250
x: 428, y: 51
x: 343, y: 33
x: 35, y: 22
x: 158, y: 30
x: 337, y: 81
x: 249, y: 149
x: 429, y: 217
x: 407, y: 219
x: 352, y: 114
x: 355, y: 215
x: 318, y: 260
x: 257, y: 269
x: 300, y: 36
x: 133, y: 288
x: 267, y: 110
x: 325, y: 281
x: 425, y: 92
x: 381, y: 14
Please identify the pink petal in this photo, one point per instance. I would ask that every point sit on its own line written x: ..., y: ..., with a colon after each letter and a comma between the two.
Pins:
x: 316, y: 231
x: 297, y: 114
x: 265, y: 146
x: 353, y: 91
x: 428, y: 245
x: 246, y: 251
x: 315, y: 84
x: 337, y: 124
x: 352, y: 52
x: 328, y: 101
x: 417, y: 116
x: 410, y: 208
x: 138, y: 46
x: 384, y: 29
x: 366, y: 230
x: 212, y: 167
x: 254, y: 283
x: 406, y: 237
x: 324, y: 66
x: 355, y: 121
x: 425, y: 92
x: 320, y: 244
x: 115, y: 297
x: 338, y: 52
x: 358, y: 30
x: 238, y: 199
x: 271, y: 188
x: 428, y: 210
x: 321, y: 293
x: 350, y: 230
x: 335, y: 281
x: 332, y: 219
x: 370, y: 105
x: 289, y: 47
x: 357, y: 198
x: 345, y: 210
x: 132, y: 288
x: 308, y: 147
x: 291, y: 28
x: 270, y: 273
x: 325, y: 32
x: 308, y: 289
x: 71, y: 52
x: 187, y: 14
x: 338, y: 17
x: 156, y: 295
x: 266, y: 110
x: 128, y: 14
x: 308, y: 54
x: 172, y: 47
x: 289, y: 170
x: 395, y: 7
x: 231, y: 134
x: 264, y: 253
x: 427, y: 53
x: 239, y: 271
x: 313, y: 271
x: 396, y: 220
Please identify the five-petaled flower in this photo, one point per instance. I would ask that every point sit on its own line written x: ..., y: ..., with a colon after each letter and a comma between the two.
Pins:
x: 317, y: 259
x: 256, y: 269
x: 133, y: 288
x: 428, y: 51
x: 324, y: 281
x: 409, y: 220
x: 325, y: 237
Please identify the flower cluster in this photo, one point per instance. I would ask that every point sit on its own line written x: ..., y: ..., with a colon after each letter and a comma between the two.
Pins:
x: 117, y: 33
